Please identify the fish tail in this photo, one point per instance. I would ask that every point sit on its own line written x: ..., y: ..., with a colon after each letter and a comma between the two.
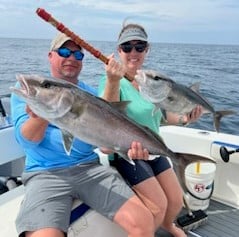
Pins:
x: 218, y: 115
x: 184, y: 159
x: 188, y: 158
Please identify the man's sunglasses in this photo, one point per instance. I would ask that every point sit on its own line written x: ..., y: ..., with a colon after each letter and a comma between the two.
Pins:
x: 66, y: 53
x: 128, y: 47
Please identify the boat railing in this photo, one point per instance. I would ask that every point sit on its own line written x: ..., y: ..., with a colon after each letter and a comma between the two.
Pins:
x: 12, y: 155
x: 5, y: 119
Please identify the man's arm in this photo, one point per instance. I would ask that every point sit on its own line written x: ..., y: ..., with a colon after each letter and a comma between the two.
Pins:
x: 34, y: 128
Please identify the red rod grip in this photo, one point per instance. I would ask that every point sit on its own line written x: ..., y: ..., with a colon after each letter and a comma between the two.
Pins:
x: 47, y: 17
x: 43, y: 14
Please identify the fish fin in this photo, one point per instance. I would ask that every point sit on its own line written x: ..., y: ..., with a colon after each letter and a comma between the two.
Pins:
x: 67, y: 141
x: 195, y: 87
x: 126, y: 158
x: 120, y: 105
x: 218, y: 115
x: 189, y: 158
x: 182, y: 161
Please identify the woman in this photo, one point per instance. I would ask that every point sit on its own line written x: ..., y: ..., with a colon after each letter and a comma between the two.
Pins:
x: 154, y: 181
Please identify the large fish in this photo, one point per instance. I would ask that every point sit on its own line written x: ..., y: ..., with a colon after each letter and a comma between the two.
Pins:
x: 174, y: 97
x: 94, y: 120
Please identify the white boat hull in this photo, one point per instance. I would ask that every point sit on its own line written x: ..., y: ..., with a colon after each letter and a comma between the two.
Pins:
x: 93, y: 224
x: 205, y: 143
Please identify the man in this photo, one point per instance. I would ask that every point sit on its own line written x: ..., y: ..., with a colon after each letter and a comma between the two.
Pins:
x: 53, y: 179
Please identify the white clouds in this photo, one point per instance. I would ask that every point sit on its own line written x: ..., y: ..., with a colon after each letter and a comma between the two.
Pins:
x: 165, y: 20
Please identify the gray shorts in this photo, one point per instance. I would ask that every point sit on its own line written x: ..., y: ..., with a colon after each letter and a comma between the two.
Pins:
x: 49, y: 195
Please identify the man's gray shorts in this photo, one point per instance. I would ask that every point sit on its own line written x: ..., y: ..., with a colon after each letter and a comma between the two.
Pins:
x: 49, y: 195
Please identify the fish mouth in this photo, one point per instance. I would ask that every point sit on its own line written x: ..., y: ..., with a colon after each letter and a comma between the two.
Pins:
x: 24, y: 90
x: 141, y: 77
x: 139, y: 74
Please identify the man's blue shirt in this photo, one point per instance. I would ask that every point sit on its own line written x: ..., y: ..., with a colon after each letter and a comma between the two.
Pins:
x: 49, y: 153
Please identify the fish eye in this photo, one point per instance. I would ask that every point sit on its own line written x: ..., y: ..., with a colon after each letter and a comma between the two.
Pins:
x: 46, y: 85
x: 157, y: 78
x: 170, y: 98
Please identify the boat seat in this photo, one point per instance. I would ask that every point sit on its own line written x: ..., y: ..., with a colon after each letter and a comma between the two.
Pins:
x: 10, y: 202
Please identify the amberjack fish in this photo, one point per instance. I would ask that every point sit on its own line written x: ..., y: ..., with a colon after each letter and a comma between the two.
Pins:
x: 174, y: 97
x: 82, y: 115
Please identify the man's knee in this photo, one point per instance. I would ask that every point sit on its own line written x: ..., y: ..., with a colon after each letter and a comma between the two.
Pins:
x: 135, y: 218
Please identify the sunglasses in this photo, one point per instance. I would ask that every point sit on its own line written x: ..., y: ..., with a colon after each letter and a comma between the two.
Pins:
x: 139, y: 47
x: 66, y: 53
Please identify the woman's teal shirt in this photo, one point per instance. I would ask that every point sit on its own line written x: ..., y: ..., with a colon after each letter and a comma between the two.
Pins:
x: 139, y: 109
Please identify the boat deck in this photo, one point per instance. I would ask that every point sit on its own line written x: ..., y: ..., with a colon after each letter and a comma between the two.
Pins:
x: 223, y: 221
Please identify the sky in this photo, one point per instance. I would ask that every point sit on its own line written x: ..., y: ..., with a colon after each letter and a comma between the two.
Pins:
x: 170, y: 21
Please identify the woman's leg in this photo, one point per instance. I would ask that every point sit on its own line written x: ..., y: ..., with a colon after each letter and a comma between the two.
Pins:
x: 152, y: 195
x: 148, y: 187
x: 172, y: 189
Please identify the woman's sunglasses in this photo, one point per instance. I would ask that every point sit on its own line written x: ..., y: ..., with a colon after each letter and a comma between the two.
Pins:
x: 66, y: 53
x: 128, y: 47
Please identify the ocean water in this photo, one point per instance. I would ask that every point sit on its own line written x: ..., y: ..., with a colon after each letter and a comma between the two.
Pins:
x: 216, y: 67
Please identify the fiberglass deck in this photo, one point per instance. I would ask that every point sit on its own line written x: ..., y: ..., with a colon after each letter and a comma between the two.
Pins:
x: 223, y: 221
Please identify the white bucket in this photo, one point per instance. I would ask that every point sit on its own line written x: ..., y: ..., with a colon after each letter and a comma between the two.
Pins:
x: 199, y: 181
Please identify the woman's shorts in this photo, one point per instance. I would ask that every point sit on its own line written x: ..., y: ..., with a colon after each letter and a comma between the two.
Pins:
x: 142, y: 169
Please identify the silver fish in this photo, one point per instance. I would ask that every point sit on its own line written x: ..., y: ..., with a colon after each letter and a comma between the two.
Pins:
x: 174, y: 97
x: 93, y: 120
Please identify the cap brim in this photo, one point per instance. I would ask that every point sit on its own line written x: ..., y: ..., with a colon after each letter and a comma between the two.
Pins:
x: 130, y: 38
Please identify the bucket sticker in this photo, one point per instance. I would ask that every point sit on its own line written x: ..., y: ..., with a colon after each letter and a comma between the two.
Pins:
x: 199, y: 188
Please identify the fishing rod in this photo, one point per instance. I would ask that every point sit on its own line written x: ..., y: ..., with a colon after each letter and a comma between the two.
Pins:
x: 62, y: 28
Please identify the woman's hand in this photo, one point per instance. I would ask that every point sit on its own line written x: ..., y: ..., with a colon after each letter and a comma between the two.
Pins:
x: 176, y: 119
x: 195, y: 114
x: 114, y: 70
x: 138, y: 152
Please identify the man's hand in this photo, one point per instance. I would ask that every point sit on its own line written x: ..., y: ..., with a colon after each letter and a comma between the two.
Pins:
x: 34, y: 128
x: 31, y: 114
